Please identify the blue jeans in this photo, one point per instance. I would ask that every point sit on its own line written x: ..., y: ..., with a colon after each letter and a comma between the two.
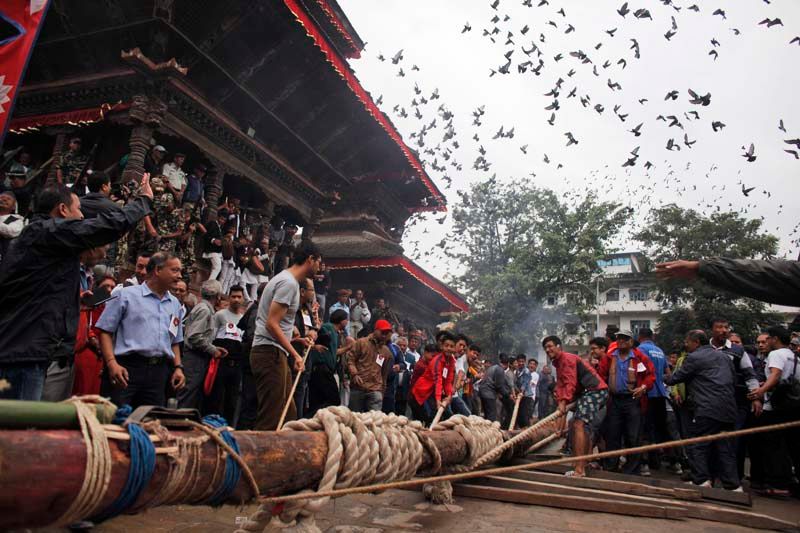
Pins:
x: 459, y: 407
x: 26, y: 380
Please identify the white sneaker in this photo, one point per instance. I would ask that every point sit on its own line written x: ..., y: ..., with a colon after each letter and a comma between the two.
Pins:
x: 738, y: 489
x: 706, y: 483
x: 644, y: 471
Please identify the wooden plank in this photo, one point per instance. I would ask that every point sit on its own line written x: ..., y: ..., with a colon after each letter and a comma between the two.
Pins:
x: 698, y: 510
x: 709, y: 493
x: 624, y: 487
x: 554, y: 488
x: 561, y: 501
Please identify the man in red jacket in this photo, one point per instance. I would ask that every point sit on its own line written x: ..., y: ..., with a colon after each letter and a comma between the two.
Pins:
x: 629, y: 374
x: 434, y: 388
x: 577, y: 382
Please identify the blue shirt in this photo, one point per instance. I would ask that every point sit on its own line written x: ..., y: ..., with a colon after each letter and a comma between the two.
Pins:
x: 622, y: 371
x: 656, y: 355
x: 523, y: 382
x: 141, y: 322
x: 194, y: 189
x: 340, y: 305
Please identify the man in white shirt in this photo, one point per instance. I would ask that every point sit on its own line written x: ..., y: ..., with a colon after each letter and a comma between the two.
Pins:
x: 176, y: 177
x: 359, y: 314
x: 776, y: 448
x: 533, y: 365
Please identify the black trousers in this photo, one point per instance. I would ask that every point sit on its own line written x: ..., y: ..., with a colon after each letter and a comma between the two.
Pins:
x: 225, y: 393
x: 489, y: 406
x: 508, y: 410
x: 776, y: 450
x: 624, y: 421
x: 718, y: 456
x: 525, y: 412
x: 657, y: 430
x: 248, y: 401
x: 147, y: 382
x: 322, y: 389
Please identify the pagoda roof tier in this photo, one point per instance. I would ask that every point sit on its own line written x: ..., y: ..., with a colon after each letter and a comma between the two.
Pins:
x: 398, y: 272
x: 276, y: 70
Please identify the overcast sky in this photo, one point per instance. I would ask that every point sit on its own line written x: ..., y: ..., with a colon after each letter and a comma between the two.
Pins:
x: 753, y: 84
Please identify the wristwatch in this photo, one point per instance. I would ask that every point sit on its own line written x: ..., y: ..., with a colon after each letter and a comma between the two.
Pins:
x: 175, y: 367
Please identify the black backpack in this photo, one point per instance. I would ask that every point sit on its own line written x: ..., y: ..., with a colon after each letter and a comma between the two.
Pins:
x: 786, y: 396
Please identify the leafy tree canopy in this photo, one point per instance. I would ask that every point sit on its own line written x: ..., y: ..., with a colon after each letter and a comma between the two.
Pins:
x: 673, y: 233
x: 518, y: 245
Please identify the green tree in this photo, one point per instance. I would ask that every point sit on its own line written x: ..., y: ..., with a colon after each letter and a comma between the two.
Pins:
x: 673, y: 233
x: 518, y: 245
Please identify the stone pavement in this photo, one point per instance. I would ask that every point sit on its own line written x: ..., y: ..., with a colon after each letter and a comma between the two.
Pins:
x: 408, y: 511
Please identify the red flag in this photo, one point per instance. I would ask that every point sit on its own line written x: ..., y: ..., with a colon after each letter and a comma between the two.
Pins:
x: 23, y: 20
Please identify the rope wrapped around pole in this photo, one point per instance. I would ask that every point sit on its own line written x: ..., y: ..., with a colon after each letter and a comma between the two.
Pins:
x: 532, y: 466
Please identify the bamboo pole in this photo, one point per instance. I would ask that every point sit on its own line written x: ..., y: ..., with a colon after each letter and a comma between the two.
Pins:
x: 438, y: 416
x: 515, y: 413
x: 290, y: 399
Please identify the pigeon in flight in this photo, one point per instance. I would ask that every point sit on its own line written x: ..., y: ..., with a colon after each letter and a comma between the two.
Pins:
x: 611, y: 32
x: 699, y: 100
x: 719, y: 12
x: 771, y: 22
x: 672, y: 95
x: 467, y: 28
x: 781, y: 126
x: 623, y: 10
x: 570, y: 139
x: 750, y: 154
x: 495, y: 4
x: 717, y: 125
x: 747, y: 191
x: 397, y: 57
x: 795, y: 40
x: 795, y: 142
x: 642, y: 14
x: 714, y: 53
x: 637, y: 130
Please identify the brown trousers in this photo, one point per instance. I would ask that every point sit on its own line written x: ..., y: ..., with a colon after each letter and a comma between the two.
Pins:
x: 273, y: 379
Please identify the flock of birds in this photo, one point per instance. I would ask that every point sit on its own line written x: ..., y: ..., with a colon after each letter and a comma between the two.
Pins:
x: 524, y: 53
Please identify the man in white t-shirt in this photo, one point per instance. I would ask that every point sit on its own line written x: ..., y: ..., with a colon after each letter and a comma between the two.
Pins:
x: 533, y: 365
x: 776, y: 448
x: 457, y: 405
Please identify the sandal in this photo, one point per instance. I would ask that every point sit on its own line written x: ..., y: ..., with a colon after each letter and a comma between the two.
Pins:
x: 572, y: 473
x: 778, y: 494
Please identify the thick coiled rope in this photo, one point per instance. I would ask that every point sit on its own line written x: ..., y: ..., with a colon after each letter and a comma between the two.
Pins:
x: 369, y: 448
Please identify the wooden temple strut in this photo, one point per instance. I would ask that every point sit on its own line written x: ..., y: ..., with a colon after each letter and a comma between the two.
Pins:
x: 42, y: 470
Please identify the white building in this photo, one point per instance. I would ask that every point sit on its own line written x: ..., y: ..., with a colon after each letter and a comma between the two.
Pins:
x: 628, y: 295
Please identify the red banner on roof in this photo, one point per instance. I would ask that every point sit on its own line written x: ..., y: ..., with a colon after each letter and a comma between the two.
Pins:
x: 21, y: 21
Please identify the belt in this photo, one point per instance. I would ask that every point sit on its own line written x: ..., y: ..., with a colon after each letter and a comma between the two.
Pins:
x: 152, y: 361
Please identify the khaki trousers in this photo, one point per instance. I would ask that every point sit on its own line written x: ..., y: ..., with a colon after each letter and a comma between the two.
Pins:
x: 273, y: 384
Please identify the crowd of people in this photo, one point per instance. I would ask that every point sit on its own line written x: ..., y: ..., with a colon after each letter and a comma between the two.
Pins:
x: 262, y: 321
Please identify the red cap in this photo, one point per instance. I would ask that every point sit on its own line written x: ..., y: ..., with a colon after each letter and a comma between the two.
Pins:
x: 383, y: 325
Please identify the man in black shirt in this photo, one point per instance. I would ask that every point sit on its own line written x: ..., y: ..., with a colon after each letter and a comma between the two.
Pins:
x: 97, y: 201
x: 40, y: 280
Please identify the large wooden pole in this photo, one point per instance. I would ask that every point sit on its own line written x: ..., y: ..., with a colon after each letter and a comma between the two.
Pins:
x: 41, y: 471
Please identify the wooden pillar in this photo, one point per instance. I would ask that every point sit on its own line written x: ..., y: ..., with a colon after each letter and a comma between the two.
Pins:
x: 62, y: 135
x: 146, y: 113
x: 213, y: 187
x: 313, y: 225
